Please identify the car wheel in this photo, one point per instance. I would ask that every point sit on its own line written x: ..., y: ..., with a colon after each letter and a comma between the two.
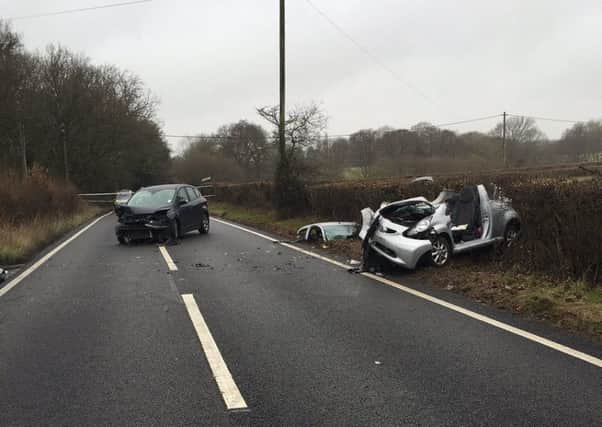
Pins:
x: 121, y: 240
x: 204, y: 224
x: 441, y: 251
x: 511, y: 234
x: 176, y: 230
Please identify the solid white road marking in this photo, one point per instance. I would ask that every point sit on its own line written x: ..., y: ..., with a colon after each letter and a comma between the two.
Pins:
x: 170, y: 264
x: 500, y: 325
x: 230, y: 392
x: 14, y: 282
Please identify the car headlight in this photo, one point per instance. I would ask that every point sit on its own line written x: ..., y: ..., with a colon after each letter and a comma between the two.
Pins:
x: 422, y: 226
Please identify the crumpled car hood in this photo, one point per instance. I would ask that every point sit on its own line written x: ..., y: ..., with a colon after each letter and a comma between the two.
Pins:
x: 131, y: 210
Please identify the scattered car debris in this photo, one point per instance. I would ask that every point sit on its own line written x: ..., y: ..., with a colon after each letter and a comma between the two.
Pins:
x: 200, y: 265
x: 422, y: 179
x: 405, y: 231
x: 3, y: 275
x: 328, y: 231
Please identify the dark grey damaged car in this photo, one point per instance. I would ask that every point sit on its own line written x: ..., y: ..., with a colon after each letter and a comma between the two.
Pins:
x: 162, y: 212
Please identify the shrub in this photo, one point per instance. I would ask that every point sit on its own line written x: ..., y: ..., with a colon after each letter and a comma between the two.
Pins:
x: 38, y: 195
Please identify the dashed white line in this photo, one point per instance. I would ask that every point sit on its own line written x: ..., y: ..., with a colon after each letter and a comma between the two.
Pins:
x: 14, y: 282
x: 170, y: 264
x: 228, y: 388
x: 495, y: 323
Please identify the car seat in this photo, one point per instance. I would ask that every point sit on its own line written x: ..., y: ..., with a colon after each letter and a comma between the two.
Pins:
x: 466, y: 215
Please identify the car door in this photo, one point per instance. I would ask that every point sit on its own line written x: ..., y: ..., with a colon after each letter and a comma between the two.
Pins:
x: 184, y: 209
x: 195, y: 207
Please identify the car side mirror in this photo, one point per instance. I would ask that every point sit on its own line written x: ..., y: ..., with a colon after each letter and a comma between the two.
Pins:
x: 181, y: 202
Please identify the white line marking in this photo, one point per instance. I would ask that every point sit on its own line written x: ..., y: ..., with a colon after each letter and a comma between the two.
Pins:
x: 14, y: 282
x: 230, y: 392
x: 500, y: 325
x: 263, y: 236
x: 170, y: 264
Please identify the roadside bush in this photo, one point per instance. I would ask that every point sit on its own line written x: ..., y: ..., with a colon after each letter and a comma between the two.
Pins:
x: 561, y: 212
x: 37, y: 196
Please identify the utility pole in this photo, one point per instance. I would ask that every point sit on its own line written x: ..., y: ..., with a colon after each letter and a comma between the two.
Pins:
x: 65, y: 155
x: 23, y: 143
x: 281, y: 134
x: 504, y: 140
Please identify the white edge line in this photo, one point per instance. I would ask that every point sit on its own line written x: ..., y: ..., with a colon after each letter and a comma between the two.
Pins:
x: 228, y: 388
x: 170, y: 264
x: 14, y: 282
x: 500, y: 325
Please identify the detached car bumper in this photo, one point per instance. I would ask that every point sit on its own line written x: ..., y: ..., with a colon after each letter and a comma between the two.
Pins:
x: 399, y: 249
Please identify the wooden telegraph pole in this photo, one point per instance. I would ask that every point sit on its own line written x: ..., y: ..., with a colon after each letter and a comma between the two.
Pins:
x: 281, y: 134
x: 504, y: 140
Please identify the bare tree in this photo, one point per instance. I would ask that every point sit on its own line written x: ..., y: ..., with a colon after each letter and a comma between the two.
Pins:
x: 246, y: 143
x: 521, y: 130
x: 302, y: 128
x: 363, y: 147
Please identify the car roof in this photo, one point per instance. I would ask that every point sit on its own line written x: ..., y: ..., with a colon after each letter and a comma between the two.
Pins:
x: 322, y: 224
x: 165, y: 187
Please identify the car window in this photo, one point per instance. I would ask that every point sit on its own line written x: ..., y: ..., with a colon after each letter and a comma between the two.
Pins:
x: 315, y: 234
x: 152, y: 198
x: 301, y: 233
x: 183, y: 195
x: 191, y: 193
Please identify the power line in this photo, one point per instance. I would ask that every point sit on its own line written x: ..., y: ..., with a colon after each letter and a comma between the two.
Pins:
x: 545, y: 118
x: 329, y: 136
x: 85, y: 9
x: 369, y: 54
x: 478, y: 119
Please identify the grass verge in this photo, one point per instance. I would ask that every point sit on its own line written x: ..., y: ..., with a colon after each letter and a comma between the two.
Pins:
x: 260, y: 218
x: 19, y: 242
x: 568, y: 304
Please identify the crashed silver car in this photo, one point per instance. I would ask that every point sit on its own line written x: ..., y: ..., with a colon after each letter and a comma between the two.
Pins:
x: 326, y: 231
x: 406, y: 231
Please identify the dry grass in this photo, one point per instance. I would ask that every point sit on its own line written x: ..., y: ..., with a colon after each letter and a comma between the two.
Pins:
x: 18, y: 242
x: 260, y: 218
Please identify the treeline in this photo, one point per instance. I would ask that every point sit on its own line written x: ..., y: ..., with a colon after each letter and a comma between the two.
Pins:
x: 246, y: 152
x: 92, y: 125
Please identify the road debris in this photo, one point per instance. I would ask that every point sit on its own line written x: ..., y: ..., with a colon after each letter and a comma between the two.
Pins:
x: 200, y: 265
x: 328, y: 231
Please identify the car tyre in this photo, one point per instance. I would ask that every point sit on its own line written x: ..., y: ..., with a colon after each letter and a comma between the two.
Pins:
x: 511, y: 234
x: 121, y: 240
x: 205, y: 225
x: 441, y: 251
x: 176, y: 230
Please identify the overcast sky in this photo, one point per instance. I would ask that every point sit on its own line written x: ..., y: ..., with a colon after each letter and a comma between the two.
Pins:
x: 213, y: 62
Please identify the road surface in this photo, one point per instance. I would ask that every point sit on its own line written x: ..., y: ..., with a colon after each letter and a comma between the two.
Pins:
x: 247, y: 332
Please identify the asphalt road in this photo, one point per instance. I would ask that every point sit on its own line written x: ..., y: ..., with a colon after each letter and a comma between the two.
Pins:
x: 99, y: 335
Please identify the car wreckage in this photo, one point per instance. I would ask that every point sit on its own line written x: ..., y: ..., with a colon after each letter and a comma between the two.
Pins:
x: 162, y: 212
x: 327, y: 231
x: 406, y: 231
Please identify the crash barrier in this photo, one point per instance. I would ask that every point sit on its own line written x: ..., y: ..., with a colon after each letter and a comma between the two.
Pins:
x: 560, y: 210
